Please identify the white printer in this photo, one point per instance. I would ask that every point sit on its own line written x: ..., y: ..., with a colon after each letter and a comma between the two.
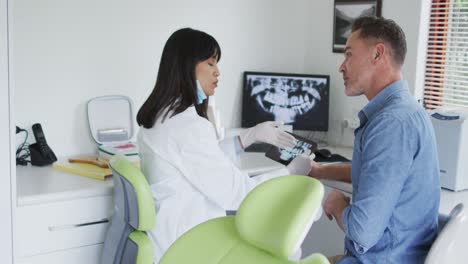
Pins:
x: 451, y: 131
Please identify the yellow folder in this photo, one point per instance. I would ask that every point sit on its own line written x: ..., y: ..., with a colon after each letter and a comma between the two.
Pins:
x: 83, y: 169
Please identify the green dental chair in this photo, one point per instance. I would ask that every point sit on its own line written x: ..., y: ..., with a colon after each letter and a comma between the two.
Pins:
x: 134, y: 213
x: 269, y: 227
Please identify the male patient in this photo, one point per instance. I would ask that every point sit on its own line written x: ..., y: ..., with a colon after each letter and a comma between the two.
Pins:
x: 394, y: 171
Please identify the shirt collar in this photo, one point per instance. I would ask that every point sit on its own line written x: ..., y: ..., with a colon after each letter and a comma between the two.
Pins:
x: 379, y: 100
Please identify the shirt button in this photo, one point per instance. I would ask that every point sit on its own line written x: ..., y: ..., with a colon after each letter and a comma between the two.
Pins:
x: 361, y: 250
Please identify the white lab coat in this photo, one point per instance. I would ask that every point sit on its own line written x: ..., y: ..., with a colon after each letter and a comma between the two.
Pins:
x: 191, y: 177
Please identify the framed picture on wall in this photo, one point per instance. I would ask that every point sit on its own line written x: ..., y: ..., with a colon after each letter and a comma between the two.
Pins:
x: 345, y: 13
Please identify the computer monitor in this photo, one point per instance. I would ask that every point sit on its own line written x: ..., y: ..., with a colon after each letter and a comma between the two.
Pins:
x: 300, y: 100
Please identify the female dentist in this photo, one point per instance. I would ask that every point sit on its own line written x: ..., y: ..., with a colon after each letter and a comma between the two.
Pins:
x: 191, y: 177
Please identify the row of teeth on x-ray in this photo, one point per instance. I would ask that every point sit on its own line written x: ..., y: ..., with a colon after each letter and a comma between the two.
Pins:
x: 293, y: 152
x: 286, y: 104
x: 286, y: 114
x: 296, y: 150
x: 279, y: 99
x: 282, y: 101
x: 289, y: 110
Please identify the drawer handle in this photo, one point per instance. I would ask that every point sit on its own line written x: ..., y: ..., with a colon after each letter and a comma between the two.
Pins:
x: 62, y: 227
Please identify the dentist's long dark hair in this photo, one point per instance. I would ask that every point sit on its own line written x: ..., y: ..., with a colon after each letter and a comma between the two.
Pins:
x: 175, y: 89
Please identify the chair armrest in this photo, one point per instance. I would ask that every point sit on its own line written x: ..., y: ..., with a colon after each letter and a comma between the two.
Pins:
x: 315, y: 259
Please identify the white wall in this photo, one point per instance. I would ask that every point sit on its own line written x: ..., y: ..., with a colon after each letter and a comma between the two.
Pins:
x: 66, y: 52
x: 320, y: 58
x: 6, y: 248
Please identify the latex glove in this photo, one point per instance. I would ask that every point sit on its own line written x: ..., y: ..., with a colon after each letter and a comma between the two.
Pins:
x: 313, y: 170
x: 301, y: 164
x: 267, y: 132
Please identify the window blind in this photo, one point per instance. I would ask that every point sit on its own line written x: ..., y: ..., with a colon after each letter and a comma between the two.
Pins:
x: 446, y: 75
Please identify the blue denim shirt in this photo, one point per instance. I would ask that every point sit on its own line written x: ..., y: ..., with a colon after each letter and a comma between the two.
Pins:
x: 395, y: 177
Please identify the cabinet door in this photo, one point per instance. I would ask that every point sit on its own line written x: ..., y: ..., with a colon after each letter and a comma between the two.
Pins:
x: 6, y: 151
x: 324, y: 237
x: 88, y: 255
x: 59, y: 226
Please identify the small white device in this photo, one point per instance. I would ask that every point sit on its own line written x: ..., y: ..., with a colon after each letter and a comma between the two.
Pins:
x: 451, y: 131
x: 110, y: 121
x: 112, y: 134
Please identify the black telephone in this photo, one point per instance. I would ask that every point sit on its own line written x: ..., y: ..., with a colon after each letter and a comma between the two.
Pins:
x: 41, y: 153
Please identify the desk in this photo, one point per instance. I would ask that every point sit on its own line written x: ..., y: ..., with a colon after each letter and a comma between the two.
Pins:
x: 52, y: 205
x: 60, y: 217
x: 38, y: 185
x: 254, y: 163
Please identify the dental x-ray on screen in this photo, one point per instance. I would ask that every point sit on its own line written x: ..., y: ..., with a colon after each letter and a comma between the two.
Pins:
x: 300, y: 100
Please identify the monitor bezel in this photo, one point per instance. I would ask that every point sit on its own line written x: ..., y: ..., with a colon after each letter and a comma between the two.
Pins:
x: 244, y: 123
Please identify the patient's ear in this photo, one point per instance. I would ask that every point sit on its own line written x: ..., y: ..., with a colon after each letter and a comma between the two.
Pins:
x: 379, y: 51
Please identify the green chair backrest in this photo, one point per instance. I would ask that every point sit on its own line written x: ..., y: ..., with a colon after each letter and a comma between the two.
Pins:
x: 129, y: 171
x: 277, y: 214
x: 145, y: 247
x: 134, y: 213
x: 270, y: 224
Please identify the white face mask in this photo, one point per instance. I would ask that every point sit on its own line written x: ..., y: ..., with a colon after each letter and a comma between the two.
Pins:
x: 200, y: 93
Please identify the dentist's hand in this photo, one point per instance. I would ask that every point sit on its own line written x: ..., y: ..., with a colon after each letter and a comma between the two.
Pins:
x: 301, y: 164
x: 267, y: 132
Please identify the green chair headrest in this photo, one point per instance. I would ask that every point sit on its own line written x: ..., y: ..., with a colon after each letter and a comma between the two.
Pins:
x: 277, y: 214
